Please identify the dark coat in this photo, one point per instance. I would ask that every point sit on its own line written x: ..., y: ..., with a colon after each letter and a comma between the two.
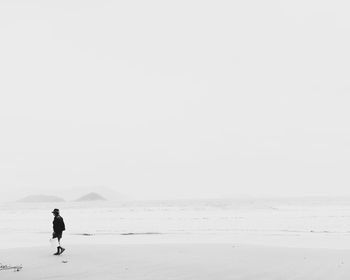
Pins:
x: 58, y: 224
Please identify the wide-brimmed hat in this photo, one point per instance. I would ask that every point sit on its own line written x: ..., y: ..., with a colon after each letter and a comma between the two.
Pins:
x: 56, y: 211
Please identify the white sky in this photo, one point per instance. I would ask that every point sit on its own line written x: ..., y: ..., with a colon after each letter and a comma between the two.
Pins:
x: 175, y: 98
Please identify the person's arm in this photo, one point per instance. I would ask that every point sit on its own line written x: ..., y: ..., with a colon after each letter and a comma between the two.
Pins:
x: 54, y: 228
x: 55, y: 223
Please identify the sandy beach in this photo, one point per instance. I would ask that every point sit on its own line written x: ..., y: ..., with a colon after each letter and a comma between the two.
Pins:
x: 197, y: 240
x: 177, y: 261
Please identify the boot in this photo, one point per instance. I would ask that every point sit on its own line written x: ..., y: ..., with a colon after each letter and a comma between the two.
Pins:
x: 62, y: 250
x: 58, y: 251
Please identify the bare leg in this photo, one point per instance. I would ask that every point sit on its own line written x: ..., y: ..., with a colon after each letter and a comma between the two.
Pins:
x: 60, y: 248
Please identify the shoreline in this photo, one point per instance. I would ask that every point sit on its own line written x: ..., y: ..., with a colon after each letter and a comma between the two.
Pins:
x: 176, y: 261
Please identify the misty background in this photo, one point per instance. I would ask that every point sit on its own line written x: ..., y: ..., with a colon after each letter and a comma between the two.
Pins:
x: 185, y: 99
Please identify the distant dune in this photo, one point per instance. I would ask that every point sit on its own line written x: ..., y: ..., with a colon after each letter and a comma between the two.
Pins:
x: 41, y: 198
x: 91, y: 197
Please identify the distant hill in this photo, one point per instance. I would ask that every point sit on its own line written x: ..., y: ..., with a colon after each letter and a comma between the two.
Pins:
x: 72, y: 193
x: 41, y: 198
x: 91, y: 197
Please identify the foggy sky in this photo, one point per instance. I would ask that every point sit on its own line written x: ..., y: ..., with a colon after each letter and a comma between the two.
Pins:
x: 175, y: 98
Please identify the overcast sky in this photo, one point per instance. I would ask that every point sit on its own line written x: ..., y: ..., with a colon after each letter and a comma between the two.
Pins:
x: 175, y: 98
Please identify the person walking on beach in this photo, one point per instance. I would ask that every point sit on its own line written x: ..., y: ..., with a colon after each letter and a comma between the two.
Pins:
x: 58, y: 228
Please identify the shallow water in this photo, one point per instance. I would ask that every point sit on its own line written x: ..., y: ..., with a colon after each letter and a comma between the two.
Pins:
x: 323, y: 223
